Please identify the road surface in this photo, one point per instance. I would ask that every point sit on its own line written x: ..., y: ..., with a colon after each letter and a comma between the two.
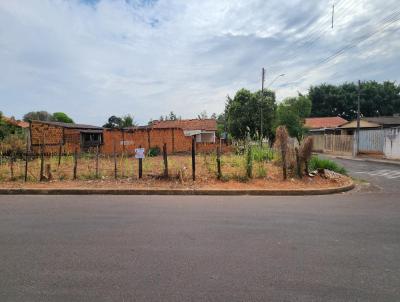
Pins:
x: 342, y: 247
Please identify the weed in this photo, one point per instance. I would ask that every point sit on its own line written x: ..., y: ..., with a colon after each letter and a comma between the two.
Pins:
x: 320, y: 163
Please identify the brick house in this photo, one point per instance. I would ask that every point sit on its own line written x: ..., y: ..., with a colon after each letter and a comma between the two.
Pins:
x: 324, y: 125
x: 176, y: 134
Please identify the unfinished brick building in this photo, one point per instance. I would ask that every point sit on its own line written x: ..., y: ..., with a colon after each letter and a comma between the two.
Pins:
x: 177, y: 135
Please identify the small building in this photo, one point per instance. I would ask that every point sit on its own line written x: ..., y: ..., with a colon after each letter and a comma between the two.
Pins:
x: 370, y: 123
x: 52, y: 135
x: 324, y: 125
x: 177, y: 135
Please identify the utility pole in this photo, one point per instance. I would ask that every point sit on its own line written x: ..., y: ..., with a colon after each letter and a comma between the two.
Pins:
x: 261, y: 107
x: 358, y: 118
x: 333, y: 12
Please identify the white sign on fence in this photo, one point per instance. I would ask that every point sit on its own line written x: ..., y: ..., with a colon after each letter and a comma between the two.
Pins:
x: 139, y: 153
x: 126, y: 143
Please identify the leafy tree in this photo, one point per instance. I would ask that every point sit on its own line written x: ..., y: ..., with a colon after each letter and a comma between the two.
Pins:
x: 38, y: 116
x: 62, y: 117
x: 377, y: 99
x: 128, y: 121
x: 170, y: 117
x: 113, y: 122
x: 292, y: 112
x: 243, y: 113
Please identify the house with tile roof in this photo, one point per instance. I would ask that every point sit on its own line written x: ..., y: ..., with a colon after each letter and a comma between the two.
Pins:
x: 324, y: 125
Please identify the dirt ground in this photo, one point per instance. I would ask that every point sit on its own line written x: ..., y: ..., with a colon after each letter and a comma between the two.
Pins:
x: 266, y: 175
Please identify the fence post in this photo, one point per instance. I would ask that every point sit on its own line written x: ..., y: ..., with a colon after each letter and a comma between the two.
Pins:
x: 194, y: 157
x: 26, y: 161
x: 75, y: 162
x: 140, y: 165
x: 165, y: 157
x: 219, y: 173
x: 59, y: 154
x: 12, y: 165
x: 97, y: 161
x: 298, y: 163
x: 41, y: 178
x: 115, y: 161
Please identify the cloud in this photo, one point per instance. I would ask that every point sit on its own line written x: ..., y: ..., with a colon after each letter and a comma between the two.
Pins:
x: 95, y: 58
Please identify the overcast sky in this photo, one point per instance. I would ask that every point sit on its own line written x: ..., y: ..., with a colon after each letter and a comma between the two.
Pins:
x: 92, y: 59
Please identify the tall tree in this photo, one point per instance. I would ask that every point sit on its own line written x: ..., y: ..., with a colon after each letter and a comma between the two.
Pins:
x: 113, y: 122
x: 243, y: 113
x: 38, y: 116
x: 377, y: 99
x: 62, y: 117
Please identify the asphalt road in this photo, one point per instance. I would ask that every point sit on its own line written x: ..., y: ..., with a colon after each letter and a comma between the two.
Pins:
x: 343, y: 247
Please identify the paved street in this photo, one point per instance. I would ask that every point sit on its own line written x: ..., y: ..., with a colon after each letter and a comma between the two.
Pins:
x: 342, y: 247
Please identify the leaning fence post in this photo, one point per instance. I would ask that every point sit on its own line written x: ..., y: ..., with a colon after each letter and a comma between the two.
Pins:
x: 165, y: 157
x: 298, y: 163
x: 41, y: 178
x: 75, y: 162
x: 219, y: 173
x: 97, y: 161
x: 194, y: 158
x: 115, y: 161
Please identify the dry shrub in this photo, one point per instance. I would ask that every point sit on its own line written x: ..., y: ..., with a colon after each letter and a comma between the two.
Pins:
x: 281, y: 143
x: 305, y: 151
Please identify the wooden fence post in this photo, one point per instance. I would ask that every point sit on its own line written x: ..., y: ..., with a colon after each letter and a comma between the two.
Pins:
x: 298, y: 163
x: 194, y: 157
x: 26, y: 161
x: 97, y: 161
x: 59, y: 154
x: 219, y: 173
x: 41, y: 178
x: 115, y: 161
x: 165, y: 157
x: 12, y: 165
x: 75, y: 162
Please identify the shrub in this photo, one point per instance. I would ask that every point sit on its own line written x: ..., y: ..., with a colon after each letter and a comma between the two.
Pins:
x: 262, y: 154
x: 154, y: 151
x: 320, y: 163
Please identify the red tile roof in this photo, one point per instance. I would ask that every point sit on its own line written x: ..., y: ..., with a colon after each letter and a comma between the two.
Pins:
x: 15, y: 122
x: 324, y: 122
x: 195, y: 124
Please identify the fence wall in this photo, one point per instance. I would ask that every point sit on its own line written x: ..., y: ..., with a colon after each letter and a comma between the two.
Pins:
x: 371, y: 141
x: 391, y: 146
x: 341, y: 144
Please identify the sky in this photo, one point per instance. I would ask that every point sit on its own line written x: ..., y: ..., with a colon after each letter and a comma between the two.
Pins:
x: 96, y: 58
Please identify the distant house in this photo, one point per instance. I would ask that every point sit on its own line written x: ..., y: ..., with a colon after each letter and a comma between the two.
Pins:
x: 324, y: 125
x: 177, y: 135
x: 203, y: 129
x: 14, y: 122
x: 371, y: 123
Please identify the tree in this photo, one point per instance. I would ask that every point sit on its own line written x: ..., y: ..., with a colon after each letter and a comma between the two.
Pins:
x: 203, y: 115
x: 38, y: 116
x: 243, y: 113
x: 128, y: 121
x: 377, y: 99
x: 62, y: 117
x: 292, y: 112
x: 113, y: 122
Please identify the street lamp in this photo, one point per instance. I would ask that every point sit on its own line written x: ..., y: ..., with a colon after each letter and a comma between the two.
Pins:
x: 277, y: 77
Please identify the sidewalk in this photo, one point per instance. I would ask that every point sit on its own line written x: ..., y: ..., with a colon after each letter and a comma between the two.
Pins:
x: 361, y: 158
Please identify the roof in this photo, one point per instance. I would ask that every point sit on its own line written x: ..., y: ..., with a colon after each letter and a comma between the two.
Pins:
x: 194, y: 124
x: 324, y: 122
x: 70, y: 125
x: 15, y: 122
x: 363, y: 124
x: 384, y: 120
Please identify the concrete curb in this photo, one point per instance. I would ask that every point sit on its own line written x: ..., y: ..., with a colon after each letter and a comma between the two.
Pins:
x: 296, y: 192
x: 370, y: 160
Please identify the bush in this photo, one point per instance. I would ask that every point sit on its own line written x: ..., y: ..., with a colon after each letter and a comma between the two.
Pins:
x: 262, y: 154
x: 320, y: 163
x: 154, y: 151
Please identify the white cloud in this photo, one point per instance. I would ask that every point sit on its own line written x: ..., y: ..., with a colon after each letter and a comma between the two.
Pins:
x: 93, y: 60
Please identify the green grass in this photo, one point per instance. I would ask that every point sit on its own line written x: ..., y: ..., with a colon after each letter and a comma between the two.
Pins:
x: 261, y: 154
x: 320, y: 163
